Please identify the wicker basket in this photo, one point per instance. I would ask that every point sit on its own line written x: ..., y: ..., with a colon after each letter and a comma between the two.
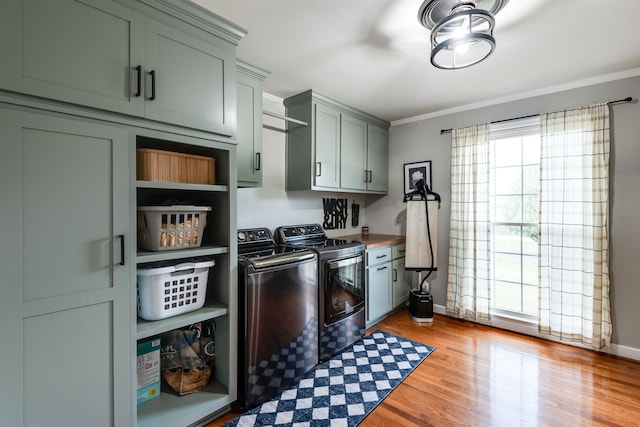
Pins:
x: 159, y: 165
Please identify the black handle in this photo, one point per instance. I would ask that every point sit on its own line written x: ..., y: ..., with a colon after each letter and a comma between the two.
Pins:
x: 139, y: 72
x: 122, y: 259
x: 395, y: 275
x: 370, y: 176
x: 153, y: 85
x: 258, y: 163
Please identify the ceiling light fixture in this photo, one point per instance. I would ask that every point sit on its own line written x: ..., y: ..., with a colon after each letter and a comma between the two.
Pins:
x: 461, y: 31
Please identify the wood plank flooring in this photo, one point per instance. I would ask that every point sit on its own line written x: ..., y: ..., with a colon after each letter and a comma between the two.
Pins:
x: 482, y: 376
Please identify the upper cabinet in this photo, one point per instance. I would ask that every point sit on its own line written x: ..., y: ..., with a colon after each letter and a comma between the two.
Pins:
x: 341, y: 149
x: 249, y: 134
x: 126, y: 56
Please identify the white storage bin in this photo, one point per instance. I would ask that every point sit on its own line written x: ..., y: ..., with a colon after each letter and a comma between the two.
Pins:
x: 171, y: 290
x: 162, y: 228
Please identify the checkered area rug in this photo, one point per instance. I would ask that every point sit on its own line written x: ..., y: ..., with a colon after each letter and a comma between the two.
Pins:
x: 283, y: 368
x: 345, y: 389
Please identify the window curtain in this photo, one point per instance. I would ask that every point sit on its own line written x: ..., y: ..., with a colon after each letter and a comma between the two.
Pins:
x: 574, y: 237
x: 469, y: 282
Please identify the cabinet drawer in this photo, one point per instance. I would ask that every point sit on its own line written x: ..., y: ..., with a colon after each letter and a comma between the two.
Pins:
x: 398, y: 251
x: 377, y: 256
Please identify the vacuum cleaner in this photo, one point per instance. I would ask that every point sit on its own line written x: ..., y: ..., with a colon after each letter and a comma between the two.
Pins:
x: 420, y: 301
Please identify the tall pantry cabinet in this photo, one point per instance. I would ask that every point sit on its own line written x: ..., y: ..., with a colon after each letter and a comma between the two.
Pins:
x: 85, y: 83
x: 65, y: 311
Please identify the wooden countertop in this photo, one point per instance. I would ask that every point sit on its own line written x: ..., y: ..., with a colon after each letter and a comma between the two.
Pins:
x: 373, y: 240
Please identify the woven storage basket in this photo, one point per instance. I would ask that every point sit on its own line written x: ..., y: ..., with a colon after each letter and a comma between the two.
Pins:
x: 168, y: 166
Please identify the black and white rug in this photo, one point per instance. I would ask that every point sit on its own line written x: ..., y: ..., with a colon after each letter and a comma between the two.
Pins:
x: 345, y: 389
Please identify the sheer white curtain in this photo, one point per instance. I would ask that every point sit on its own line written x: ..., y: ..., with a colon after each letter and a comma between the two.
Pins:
x: 573, y: 242
x: 468, y: 290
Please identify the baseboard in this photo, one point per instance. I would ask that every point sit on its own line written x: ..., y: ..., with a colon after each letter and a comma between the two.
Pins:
x: 531, y: 330
x: 624, y: 351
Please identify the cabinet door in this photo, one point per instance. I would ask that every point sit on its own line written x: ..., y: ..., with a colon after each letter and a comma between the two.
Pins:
x: 249, y: 132
x: 377, y: 159
x: 189, y: 81
x: 353, y: 144
x: 378, y: 291
x: 401, y: 283
x: 65, y: 309
x: 79, y: 51
x: 327, y: 147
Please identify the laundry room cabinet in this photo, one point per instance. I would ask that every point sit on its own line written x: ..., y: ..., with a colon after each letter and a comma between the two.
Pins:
x: 249, y: 136
x: 65, y: 306
x: 124, y: 56
x: 401, y: 280
x: 388, y: 283
x: 378, y: 283
x: 76, y: 103
x: 341, y: 149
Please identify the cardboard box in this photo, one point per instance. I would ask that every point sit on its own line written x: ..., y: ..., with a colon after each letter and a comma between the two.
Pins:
x: 148, y: 369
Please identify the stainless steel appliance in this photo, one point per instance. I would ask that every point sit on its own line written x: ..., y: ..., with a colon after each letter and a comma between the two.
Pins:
x: 278, y: 315
x: 341, y: 285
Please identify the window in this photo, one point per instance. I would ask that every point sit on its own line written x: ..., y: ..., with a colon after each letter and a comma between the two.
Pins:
x: 515, y: 189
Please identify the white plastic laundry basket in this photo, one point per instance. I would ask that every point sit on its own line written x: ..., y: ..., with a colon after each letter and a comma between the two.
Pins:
x: 171, y: 290
x: 162, y: 228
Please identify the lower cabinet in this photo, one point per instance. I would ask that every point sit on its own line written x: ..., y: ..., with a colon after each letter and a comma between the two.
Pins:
x: 388, y: 283
x: 65, y: 313
x: 379, y: 276
x: 401, y: 278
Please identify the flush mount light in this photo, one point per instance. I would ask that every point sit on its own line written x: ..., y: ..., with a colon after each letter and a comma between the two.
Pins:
x: 461, y: 31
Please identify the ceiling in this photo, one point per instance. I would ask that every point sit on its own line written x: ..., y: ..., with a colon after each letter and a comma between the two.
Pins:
x: 374, y: 55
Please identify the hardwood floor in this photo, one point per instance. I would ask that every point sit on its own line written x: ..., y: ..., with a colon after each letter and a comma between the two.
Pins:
x: 482, y: 376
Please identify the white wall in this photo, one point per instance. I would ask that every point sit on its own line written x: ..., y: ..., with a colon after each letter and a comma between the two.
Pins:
x: 421, y: 140
x: 270, y: 205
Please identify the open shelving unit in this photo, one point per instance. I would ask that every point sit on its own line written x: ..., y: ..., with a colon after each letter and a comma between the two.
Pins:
x: 170, y: 409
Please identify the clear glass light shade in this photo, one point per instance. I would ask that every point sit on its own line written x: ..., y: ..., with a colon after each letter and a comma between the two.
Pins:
x: 462, y: 39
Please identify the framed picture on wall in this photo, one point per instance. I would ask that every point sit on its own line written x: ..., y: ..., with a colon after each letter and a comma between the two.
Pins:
x: 413, y: 172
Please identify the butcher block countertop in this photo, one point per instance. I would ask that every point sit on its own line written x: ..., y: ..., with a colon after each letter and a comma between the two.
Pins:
x: 373, y: 240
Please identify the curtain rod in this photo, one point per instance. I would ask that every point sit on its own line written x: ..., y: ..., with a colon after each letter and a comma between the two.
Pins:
x: 627, y: 99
